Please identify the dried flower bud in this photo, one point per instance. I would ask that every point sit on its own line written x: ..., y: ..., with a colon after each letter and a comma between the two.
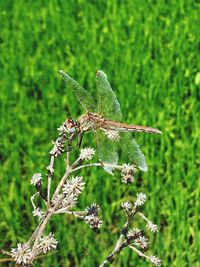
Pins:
x: 93, y: 221
x: 38, y: 213
x: 127, y: 206
x: 74, y: 186
x: 47, y: 243
x: 155, y: 260
x: 87, y: 153
x: 36, y: 178
x: 152, y: 227
x: 21, y: 254
x: 134, y: 233
x: 93, y: 209
x: 141, y: 198
x: 141, y: 242
x: 128, y: 169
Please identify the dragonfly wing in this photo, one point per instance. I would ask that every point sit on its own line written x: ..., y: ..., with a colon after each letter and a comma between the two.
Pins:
x: 108, y: 105
x: 132, y: 149
x: 107, y: 150
x: 85, y: 99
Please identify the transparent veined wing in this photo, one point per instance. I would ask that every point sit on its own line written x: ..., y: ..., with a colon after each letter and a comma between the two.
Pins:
x: 107, y: 150
x: 85, y: 99
x: 108, y: 105
x: 132, y: 150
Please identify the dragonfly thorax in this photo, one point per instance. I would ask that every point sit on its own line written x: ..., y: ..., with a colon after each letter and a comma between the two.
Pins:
x: 87, y: 122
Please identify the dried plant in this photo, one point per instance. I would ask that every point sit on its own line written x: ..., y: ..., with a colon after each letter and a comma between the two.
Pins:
x: 65, y: 198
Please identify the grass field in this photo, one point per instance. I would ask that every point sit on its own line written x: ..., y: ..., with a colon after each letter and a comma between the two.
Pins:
x: 149, y: 50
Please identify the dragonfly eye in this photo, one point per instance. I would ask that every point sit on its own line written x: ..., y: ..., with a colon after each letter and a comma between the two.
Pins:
x: 71, y: 125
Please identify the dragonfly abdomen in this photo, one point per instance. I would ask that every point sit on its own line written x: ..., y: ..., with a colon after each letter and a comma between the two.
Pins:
x: 123, y: 127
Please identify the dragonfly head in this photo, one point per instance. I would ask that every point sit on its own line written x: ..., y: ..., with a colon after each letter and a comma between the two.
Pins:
x: 71, y: 125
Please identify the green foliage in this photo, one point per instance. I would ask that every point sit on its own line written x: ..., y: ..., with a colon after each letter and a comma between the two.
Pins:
x: 149, y: 50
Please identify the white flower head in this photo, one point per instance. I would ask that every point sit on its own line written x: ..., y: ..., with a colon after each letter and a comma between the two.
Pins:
x: 152, y: 227
x: 134, y: 233
x: 87, y: 153
x: 127, y: 206
x: 36, y: 178
x: 155, y: 260
x: 141, y: 198
x: 47, y: 243
x: 112, y: 135
x: 21, y: 254
x: 93, y: 221
x: 93, y: 209
x: 38, y: 213
x: 141, y: 242
x: 128, y: 169
x: 74, y: 186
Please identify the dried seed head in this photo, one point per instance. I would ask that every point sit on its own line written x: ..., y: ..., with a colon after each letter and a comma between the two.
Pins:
x: 87, y: 153
x: 47, y: 243
x: 127, y: 206
x: 152, y: 227
x: 141, y: 198
x: 21, y: 254
x: 93, y: 221
x: 93, y: 209
x: 128, y: 169
x: 134, y: 233
x: 74, y: 186
x: 38, y: 213
x: 141, y: 242
x: 36, y: 178
x: 155, y: 260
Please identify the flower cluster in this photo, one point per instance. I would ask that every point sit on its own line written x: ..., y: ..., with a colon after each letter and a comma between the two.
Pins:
x: 135, y: 238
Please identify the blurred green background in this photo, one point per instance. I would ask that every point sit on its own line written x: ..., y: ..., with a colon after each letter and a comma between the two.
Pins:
x: 149, y: 50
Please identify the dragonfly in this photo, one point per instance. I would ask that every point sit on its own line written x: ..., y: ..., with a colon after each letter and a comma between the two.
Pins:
x: 102, y: 117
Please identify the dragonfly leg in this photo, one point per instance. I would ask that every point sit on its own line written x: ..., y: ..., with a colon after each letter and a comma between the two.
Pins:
x: 70, y: 140
x: 80, y: 136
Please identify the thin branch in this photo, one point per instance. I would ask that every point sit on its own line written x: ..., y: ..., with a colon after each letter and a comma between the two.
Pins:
x: 50, y: 169
x: 113, y: 253
x: 32, y: 200
x: 99, y: 164
x: 62, y: 181
x: 138, y: 252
